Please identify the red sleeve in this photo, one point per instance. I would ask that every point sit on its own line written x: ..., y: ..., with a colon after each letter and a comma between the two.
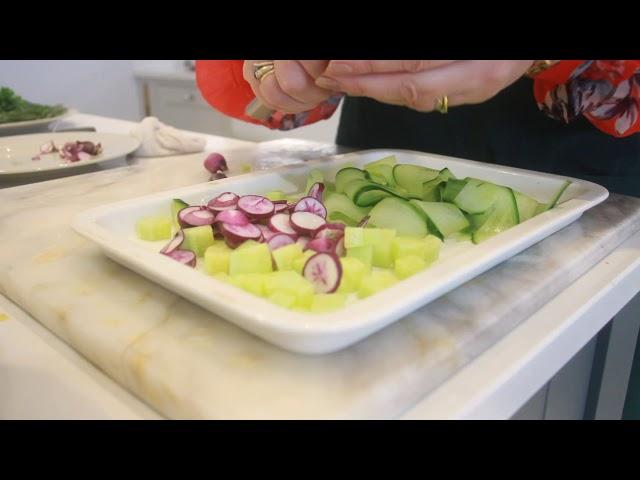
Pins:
x: 606, y: 92
x: 223, y: 86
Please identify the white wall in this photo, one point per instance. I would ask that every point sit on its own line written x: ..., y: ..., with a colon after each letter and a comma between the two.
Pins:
x: 101, y: 87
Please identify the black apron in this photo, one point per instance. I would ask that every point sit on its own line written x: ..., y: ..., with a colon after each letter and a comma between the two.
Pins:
x: 508, y: 129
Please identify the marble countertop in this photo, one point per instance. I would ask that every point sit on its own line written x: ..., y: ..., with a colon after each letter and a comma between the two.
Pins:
x: 186, y: 363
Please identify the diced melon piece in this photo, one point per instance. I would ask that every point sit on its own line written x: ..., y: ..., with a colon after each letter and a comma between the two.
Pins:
x: 216, y: 258
x: 376, y: 282
x: 409, y: 265
x: 198, y: 239
x: 292, y: 282
x: 247, y: 244
x: 283, y: 298
x: 223, y: 277
x: 353, y: 271
x: 285, y: 256
x: 276, y: 195
x: 152, y: 228
x: 381, y: 239
x: 406, y: 246
x: 363, y: 253
x: 353, y: 237
x: 251, y: 259
x: 252, y: 283
x: 298, y: 264
x: 328, y: 302
x: 433, y: 245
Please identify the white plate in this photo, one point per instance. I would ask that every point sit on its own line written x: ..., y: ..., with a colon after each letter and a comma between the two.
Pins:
x: 30, y: 126
x: 17, y: 152
x: 112, y: 227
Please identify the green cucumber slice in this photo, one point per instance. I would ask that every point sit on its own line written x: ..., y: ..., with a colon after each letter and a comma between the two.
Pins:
x: 346, y: 175
x: 477, y: 197
x: 446, y: 218
x: 527, y: 206
x: 452, y: 189
x: 399, y: 215
x: 502, y: 215
x: 340, y: 207
x: 412, y: 177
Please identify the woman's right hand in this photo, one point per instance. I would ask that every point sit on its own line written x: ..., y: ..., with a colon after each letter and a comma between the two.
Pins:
x: 292, y: 87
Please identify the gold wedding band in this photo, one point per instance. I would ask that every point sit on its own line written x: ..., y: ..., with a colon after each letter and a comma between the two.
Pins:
x: 262, y: 70
x: 442, y: 104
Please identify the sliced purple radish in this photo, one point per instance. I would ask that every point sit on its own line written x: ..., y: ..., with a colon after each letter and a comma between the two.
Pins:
x: 224, y: 201
x: 195, y: 216
x: 174, y: 244
x: 256, y: 206
x: 324, y: 272
x: 186, y: 257
x: 267, y: 233
x: 316, y: 191
x: 235, y: 235
x: 281, y: 223
x: 279, y: 240
x: 312, y: 205
x: 363, y: 222
x: 233, y: 217
x: 340, y: 250
x: 306, y: 223
x: 280, y: 207
x: 336, y: 226
x: 321, y: 245
x: 303, y: 241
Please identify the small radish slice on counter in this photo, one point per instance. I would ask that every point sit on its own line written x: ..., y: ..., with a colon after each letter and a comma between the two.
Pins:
x: 235, y: 235
x: 320, y: 245
x: 316, y: 191
x: 312, y: 205
x: 233, y: 217
x: 195, y: 216
x: 174, y: 244
x: 256, y: 206
x: 281, y: 223
x: 187, y: 257
x: 324, y: 271
x: 224, y: 201
x: 306, y: 223
x: 279, y: 240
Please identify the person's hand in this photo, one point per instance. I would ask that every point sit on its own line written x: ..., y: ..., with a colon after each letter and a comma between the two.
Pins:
x: 419, y: 84
x: 291, y: 88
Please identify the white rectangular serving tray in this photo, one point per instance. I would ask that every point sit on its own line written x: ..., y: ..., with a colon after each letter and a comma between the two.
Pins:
x: 112, y: 228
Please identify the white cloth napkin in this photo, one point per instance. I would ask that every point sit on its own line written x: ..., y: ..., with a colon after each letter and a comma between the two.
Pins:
x: 158, y: 139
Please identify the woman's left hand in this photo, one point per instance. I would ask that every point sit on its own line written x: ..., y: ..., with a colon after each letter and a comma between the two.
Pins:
x: 419, y: 84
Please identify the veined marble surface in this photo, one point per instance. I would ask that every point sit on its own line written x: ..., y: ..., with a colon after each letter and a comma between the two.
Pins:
x: 187, y: 363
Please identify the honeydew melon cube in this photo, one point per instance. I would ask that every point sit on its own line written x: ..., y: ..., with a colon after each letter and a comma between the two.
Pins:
x: 216, y: 258
x: 252, y: 283
x: 353, y: 237
x: 363, y: 253
x: 432, y: 249
x: 328, y: 302
x: 409, y: 246
x: 198, y: 239
x: 409, y: 265
x: 292, y: 282
x: 283, y: 298
x: 250, y: 259
x: 285, y: 256
x: 376, y: 282
x: 353, y: 271
x: 381, y: 239
x: 248, y: 244
x: 152, y: 228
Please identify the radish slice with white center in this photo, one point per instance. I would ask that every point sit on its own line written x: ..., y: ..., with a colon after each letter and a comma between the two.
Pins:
x: 224, y: 201
x: 235, y: 235
x: 280, y: 207
x: 316, y: 191
x: 312, y: 205
x: 281, y: 223
x: 340, y: 250
x: 233, y: 217
x: 256, y: 206
x: 303, y: 241
x: 280, y: 240
x: 267, y: 233
x: 186, y: 257
x: 321, y: 245
x: 174, y: 244
x: 306, y: 223
x: 324, y: 271
x: 195, y: 216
